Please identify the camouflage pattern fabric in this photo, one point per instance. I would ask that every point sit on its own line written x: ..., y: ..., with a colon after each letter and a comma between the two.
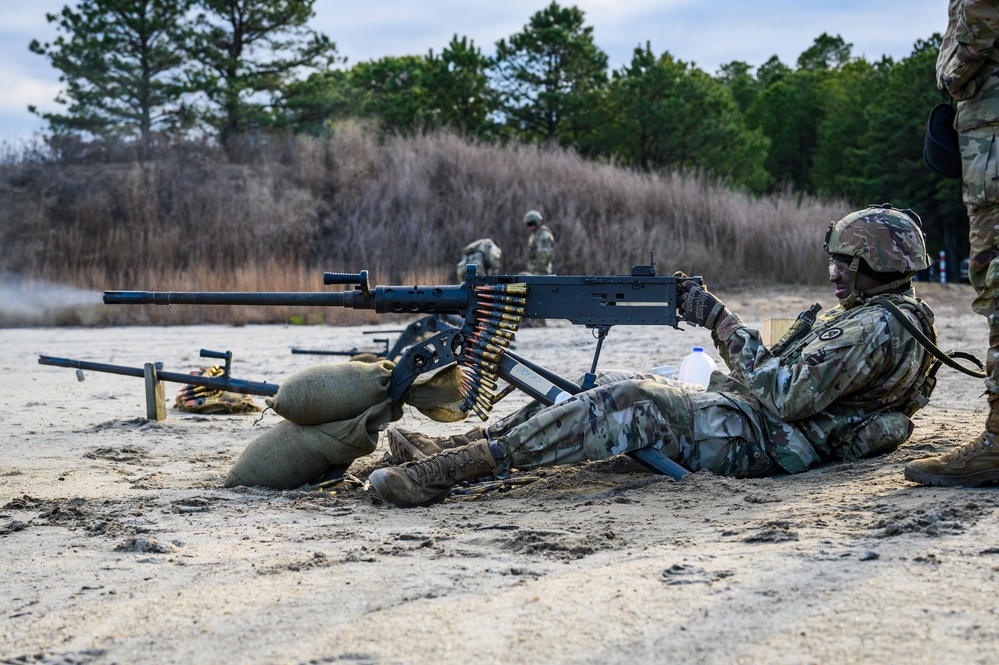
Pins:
x: 834, y: 394
x: 974, y: 80
x: 981, y: 197
x: 887, y: 239
x: 968, y: 55
x: 484, y: 254
x: 540, y: 251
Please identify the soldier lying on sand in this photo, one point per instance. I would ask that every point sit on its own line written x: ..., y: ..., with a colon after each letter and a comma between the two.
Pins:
x: 843, y: 389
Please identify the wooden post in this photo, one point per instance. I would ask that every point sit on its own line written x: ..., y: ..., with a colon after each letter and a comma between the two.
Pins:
x: 774, y: 329
x: 155, y: 401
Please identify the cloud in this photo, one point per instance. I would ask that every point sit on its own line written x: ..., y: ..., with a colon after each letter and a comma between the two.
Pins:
x: 17, y: 90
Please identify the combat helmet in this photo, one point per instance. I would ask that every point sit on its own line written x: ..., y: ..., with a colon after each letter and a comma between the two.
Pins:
x: 533, y: 217
x: 889, y: 240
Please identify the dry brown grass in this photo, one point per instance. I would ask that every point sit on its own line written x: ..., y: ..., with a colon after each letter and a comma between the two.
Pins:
x: 401, y: 209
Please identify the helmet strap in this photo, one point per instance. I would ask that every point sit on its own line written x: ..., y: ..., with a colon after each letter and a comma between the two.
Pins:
x: 888, y: 287
x: 851, y: 285
x: 856, y: 296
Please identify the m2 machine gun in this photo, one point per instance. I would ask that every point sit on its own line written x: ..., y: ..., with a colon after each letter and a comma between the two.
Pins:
x: 492, y: 307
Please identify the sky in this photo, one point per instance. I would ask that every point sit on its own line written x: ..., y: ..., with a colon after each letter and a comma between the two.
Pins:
x: 704, y: 32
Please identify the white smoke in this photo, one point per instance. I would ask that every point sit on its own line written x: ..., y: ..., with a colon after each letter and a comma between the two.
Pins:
x: 38, y: 302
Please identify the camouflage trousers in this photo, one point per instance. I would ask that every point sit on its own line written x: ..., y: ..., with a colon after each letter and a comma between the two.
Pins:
x: 980, y: 153
x: 697, y: 429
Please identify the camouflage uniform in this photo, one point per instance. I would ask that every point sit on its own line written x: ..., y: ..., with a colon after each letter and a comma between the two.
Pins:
x: 840, y: 389
x: 540, y: 251
x: 484, y: 254
x: 836, y: 394
x: 967, y: 68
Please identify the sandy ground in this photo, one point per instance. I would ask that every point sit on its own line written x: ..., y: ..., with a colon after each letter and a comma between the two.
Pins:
x: 118, y: 543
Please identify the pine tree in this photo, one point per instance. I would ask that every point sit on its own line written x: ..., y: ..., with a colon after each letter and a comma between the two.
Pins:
x: 120, y: 61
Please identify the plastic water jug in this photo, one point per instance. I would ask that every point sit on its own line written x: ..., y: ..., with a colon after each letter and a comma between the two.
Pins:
x: 697, y: 367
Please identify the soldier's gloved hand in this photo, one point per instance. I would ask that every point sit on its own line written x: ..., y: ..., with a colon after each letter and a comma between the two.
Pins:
x: 682, y: 278
x: 698, y: 305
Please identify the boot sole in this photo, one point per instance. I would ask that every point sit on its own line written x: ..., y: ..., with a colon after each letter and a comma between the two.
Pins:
x: 968, y: 480
x: 402, y: 449
x: 381, y: 482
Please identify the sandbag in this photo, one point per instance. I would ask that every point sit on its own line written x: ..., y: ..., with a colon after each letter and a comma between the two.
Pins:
x: 289, y: 455
x: 438, y: 396
x: 332, y: 392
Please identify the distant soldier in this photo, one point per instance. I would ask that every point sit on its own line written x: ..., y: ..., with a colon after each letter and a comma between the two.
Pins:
x: 484, y: 254
x: 540, y: 246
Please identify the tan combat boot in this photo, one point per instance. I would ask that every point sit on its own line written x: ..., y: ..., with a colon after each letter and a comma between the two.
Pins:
x: 972, y: 464
x: 406, y: 446
x: 427, y: 481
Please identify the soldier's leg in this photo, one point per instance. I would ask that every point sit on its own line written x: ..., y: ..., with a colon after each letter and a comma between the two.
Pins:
x: 977, y: 461
x: 597, y: 424
x: 407, y: 445
x: 629, y: 415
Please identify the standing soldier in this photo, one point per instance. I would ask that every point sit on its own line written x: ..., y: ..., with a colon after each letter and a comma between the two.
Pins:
x: 967, y: 68
x: 540, y: 246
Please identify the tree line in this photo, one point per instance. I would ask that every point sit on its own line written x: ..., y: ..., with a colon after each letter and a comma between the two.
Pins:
x: 148, y: 73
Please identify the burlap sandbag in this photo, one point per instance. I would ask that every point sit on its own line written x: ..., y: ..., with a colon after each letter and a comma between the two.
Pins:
x: 332, y: 392
x: 438, y: 396
x: 289, y: 455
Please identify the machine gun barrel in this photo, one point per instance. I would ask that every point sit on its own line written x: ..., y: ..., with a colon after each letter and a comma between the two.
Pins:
x: 382, y: 299
x: 306, y: 299
x: 225, y: 383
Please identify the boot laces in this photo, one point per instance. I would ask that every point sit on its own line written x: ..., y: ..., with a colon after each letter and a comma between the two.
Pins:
x: 441, y: 468
x: 982, y: 443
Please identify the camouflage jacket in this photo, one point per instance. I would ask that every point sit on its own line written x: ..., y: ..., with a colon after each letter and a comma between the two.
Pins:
x: 484, y: 254
x: 540, y: 250
x: 969, y: 61
x: 836, y: 393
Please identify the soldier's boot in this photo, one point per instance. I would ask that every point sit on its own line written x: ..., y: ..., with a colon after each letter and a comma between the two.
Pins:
x: 406, y: 446
x: 971, y: 464
x: 427, y: 481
